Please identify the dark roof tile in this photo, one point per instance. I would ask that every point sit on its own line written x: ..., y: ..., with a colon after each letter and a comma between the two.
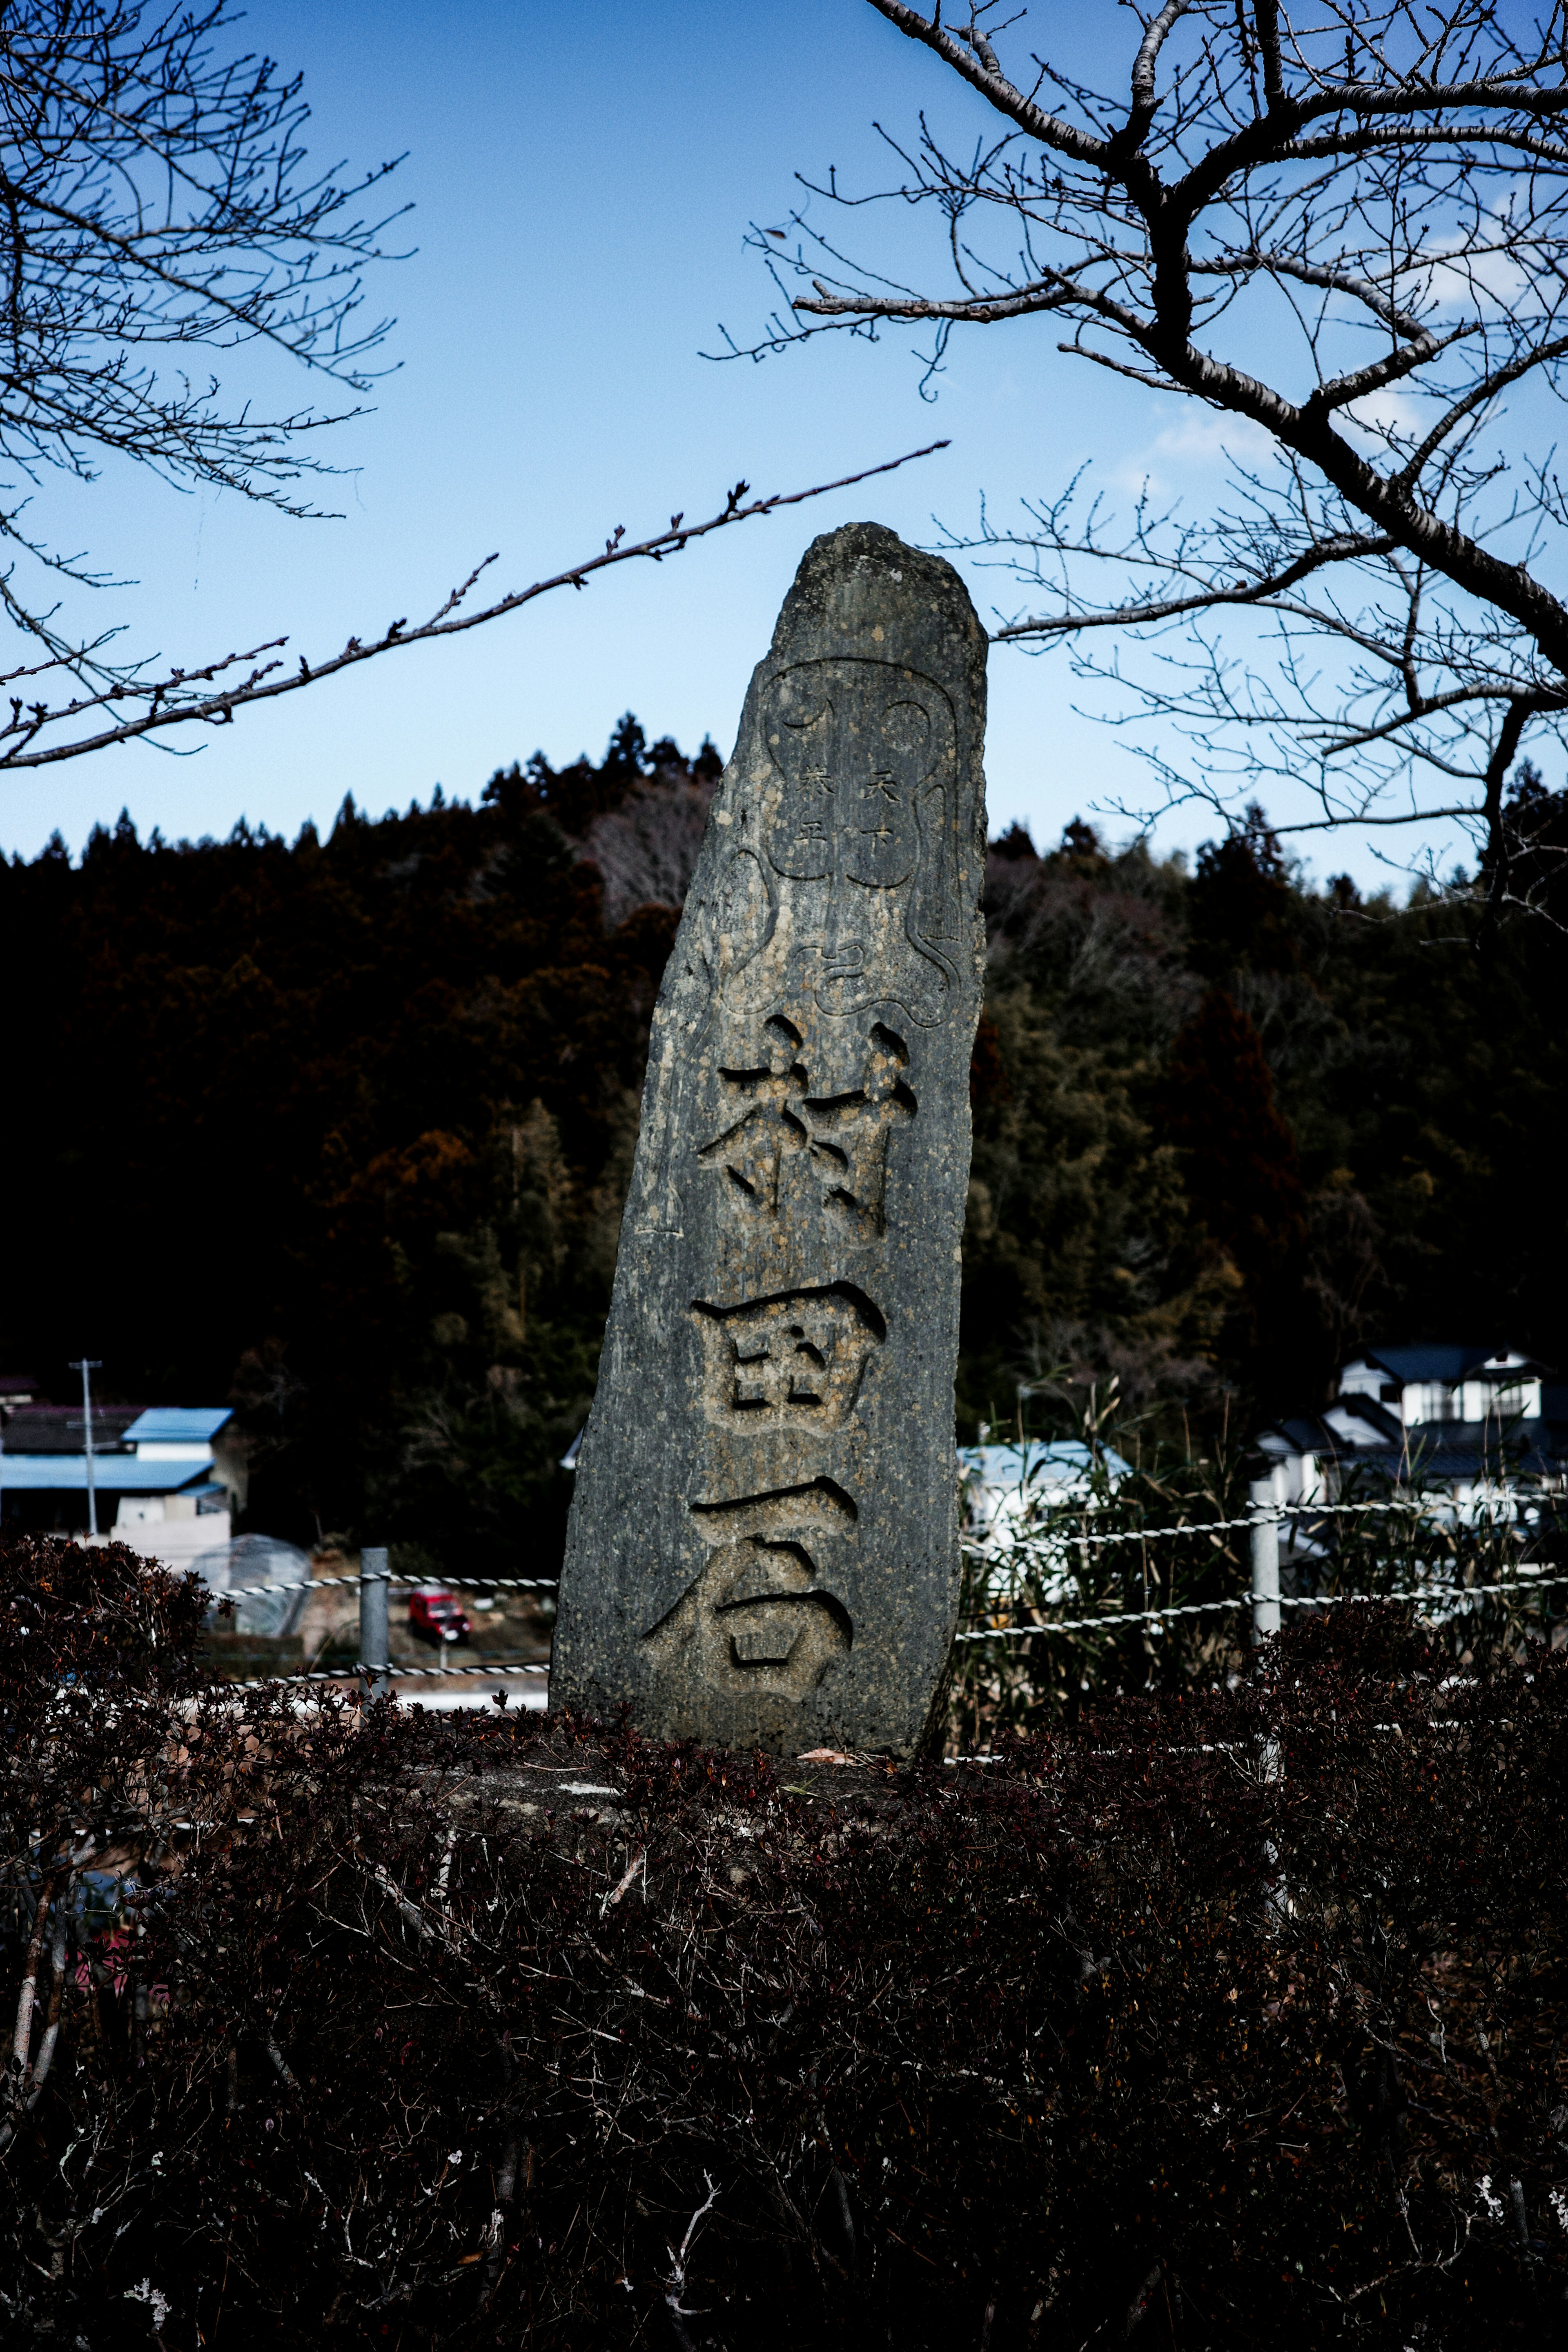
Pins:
x: 57, y: 1428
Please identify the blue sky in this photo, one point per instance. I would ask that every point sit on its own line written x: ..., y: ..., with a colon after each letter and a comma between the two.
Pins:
x: 581, y: 183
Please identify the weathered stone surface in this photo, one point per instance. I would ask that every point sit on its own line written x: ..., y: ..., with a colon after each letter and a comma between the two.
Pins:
x: 764, y: 1543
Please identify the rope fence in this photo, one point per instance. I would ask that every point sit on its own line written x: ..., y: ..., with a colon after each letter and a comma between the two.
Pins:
x: 1060, y: 1540
x: 1055, y: 1540
x: 1528, y: 1580
x: 1264, y: 1521
x: 374, y: 1668
x: 1295, y: 1511
x: 1324, y: 1509
x: 376, y: 1674
x: 446, y: 1584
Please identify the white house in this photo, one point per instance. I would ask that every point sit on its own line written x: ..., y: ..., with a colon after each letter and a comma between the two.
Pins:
x: 192, y: 1487
x: 1476, y: 1422
x: 164, y: 1481
x: 1006, y: 1488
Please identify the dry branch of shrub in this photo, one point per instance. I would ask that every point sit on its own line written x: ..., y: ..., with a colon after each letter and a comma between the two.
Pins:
x: 486, y: 2031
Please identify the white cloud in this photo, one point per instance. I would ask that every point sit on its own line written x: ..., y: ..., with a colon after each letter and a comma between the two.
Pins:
x: 1385, y: 412
x: 1199, y: 437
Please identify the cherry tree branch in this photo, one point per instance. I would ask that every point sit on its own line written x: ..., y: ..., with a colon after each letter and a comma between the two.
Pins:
x: 1399, y: 549
x: 171, y: 701
x: 1203, y: 599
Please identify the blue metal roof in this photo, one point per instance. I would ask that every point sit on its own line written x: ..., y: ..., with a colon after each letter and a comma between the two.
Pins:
x: 113, y: 1474
x: 1041, y: 1464
x: 177, y: 1425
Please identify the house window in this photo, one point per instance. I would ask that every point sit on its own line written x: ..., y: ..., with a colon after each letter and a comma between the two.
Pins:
x: 1432, y: 1400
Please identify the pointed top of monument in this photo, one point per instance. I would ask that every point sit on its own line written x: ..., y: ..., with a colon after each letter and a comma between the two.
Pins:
x: 872, y: 594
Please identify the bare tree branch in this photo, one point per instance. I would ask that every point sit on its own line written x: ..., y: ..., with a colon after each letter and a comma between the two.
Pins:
x: 1390, y: 190
x: 172, y: 702
x: 154, y: 195
x: 992, y: 84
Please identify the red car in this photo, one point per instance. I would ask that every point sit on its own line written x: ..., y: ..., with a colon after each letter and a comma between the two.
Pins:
x: 437, y: 1615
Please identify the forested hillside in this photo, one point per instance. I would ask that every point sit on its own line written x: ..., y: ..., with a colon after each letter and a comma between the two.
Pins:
x: 1226, y: 1126
x: 340, y: 1130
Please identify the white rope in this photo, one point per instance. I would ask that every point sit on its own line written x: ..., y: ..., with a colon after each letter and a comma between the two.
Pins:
x: 357, y: 1674
x: 1060, y: 1539
x: 1274, y: 1510
x: 1081, y: 1624
x: 447, y: 1584
x: 1527, y: 1580
x: 296, y: 1584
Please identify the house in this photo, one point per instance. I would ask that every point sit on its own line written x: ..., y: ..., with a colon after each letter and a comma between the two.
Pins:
x: 203, y: 1484
x: 1005, y: 1486
x: 1478, y: 1424
x: 164, y: 1479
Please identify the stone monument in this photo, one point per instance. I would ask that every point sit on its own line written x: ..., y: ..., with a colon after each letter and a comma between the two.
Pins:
x: 764, y: 1542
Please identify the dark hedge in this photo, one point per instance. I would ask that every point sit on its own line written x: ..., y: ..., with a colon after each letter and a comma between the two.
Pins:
x: 1226, y: 2020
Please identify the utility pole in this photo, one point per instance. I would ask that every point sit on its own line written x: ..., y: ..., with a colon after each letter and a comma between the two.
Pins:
x: 87, y: 1365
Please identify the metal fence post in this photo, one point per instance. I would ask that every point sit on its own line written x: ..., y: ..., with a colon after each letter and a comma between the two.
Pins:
x: 374, y: 1655
x: 87, y: 1365
x: 1265, y: 1558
